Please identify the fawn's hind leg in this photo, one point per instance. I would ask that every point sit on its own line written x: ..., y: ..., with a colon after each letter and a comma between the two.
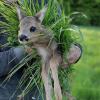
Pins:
x: 54, y: 63
x: 46, y: 80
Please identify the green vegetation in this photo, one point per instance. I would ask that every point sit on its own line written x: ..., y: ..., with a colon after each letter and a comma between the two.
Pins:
x: 91, y: 8
x: 86, y: 77
x: 54, y: 20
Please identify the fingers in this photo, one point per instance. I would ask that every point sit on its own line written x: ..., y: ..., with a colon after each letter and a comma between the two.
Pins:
x: 73, y: 56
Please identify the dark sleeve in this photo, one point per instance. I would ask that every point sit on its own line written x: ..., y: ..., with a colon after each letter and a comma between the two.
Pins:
x: 7, y: 61
x: 6, y: 55
x: 9, y: 58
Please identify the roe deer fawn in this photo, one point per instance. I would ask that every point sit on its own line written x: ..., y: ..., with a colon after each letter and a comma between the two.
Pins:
x: 34, y: 35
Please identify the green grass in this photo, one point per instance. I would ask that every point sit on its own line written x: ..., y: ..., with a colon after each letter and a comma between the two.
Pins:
x: 86, y: 77
x: 62, y: 33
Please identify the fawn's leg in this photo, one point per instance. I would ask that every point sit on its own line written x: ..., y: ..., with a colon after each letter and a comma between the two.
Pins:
x: 46, y: 80
x: 54, y: 63
x: 45, y: 55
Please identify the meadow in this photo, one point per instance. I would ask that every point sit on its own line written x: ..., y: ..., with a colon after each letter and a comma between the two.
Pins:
x: 85, y: 83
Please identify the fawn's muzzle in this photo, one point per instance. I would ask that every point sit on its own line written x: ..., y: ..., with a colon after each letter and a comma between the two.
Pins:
x: 23, y: 38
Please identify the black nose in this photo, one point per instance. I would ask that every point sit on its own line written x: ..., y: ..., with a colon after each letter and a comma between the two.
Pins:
x: 23, y: 38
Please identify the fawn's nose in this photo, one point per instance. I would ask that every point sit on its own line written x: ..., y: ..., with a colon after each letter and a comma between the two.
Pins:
x: 23, y: 38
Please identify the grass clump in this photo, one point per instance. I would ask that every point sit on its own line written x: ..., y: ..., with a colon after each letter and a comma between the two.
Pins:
x: 57, y: 21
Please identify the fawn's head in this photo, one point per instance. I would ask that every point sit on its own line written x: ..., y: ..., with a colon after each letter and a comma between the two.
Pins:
x: 30, y: 26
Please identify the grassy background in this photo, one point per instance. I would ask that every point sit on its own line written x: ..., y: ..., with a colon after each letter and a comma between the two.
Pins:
x: 86, y: 77
x: 89, y: 7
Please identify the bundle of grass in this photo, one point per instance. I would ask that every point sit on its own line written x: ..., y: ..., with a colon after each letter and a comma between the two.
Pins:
x: 56, y: 21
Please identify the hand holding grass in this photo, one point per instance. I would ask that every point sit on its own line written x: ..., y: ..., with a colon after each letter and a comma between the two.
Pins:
x: 73, y: 56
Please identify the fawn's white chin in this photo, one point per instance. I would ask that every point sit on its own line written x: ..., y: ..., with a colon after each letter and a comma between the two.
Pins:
x: 22, y: 42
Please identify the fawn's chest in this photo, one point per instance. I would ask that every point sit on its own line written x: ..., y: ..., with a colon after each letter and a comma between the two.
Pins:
x: 46, y: 51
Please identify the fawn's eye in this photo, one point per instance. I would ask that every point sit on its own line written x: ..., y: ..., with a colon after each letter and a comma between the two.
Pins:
x: 32, y: 29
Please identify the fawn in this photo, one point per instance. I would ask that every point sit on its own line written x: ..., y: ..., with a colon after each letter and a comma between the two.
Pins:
x: 34, y: 35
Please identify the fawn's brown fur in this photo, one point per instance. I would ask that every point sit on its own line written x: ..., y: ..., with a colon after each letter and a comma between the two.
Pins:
x: 39, y: 37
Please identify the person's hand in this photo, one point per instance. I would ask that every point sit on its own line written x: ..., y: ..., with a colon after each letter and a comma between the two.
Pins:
x: 19, y: 52
x: 74, y: 55
x: 28, y: 49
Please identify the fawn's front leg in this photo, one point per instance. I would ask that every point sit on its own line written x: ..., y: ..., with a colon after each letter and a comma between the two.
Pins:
x: 46, y: 80
x: 54, y: 63
x: 45, y: 56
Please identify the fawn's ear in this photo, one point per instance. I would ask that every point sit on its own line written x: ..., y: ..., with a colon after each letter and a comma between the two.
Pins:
x: 41, y: 14
x: 20, y: 14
